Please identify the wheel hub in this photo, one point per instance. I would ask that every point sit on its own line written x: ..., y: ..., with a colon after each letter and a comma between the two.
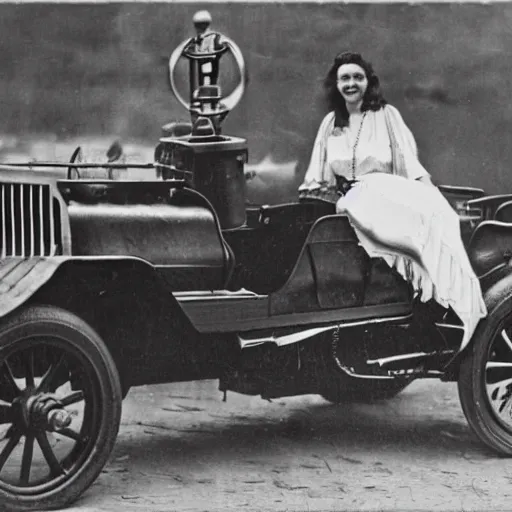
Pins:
x: 41, y: 411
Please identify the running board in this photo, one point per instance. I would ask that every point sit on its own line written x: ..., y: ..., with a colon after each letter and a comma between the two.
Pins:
x: 225, y: 311
x: 281, y: 339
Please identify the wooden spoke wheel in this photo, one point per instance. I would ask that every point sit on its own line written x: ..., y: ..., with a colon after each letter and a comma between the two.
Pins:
x: 60, y: 408
x: 485, y: 382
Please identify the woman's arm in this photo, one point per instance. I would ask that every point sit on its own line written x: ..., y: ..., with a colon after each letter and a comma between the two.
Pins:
x: 407, y: 146
x: 316, y: 176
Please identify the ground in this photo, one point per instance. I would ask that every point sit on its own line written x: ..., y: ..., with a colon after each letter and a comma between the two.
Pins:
x: 181, y: 447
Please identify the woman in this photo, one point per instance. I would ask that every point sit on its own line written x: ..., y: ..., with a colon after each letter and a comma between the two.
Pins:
x: 364, y: 148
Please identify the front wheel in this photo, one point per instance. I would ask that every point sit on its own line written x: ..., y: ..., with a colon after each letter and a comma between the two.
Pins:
x: 60, y: 408
x: 485, y: 381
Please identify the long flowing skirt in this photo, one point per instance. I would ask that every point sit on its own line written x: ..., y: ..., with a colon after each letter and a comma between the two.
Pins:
x: 414, y: 229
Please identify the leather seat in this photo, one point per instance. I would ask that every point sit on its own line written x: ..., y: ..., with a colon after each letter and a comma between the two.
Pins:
x: 504, y: 212
x: 490, y: 246
x: 267, y: 248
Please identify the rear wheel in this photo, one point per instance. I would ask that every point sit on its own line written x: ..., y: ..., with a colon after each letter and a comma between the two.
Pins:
x: 60, y: 408
x: 485, y: 381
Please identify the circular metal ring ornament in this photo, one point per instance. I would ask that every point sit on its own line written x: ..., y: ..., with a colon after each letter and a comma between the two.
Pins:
x: 230, y: 101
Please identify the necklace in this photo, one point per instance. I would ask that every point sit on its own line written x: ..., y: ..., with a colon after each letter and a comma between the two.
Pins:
x: 355, y: 147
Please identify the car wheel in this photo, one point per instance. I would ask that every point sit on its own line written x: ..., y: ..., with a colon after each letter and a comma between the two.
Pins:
x: 60, y: 408
x: 485, y: 381
x: 347, y: 389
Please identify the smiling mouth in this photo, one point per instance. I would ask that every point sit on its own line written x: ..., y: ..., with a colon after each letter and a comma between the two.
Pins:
x: 351, y: 91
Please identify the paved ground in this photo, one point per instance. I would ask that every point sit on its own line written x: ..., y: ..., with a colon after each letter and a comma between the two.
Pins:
x: 181, y: 448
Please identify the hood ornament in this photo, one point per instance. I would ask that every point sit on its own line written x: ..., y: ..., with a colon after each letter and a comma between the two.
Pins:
x: 204, y: 52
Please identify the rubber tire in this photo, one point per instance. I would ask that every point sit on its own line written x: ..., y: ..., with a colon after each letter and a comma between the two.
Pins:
x: 472, y: 394
x: 42, y: 319
x: 347, y: 389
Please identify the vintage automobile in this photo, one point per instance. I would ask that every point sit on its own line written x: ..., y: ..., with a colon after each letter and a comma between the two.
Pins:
x: 112, y: 283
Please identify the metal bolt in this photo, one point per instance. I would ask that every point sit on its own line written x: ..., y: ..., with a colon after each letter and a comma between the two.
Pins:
x: 59, y: 419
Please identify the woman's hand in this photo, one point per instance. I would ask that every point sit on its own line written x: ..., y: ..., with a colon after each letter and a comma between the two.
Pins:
x: 340, y: 205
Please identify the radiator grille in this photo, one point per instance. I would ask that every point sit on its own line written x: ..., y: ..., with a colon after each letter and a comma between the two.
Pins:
x: 30, y: 224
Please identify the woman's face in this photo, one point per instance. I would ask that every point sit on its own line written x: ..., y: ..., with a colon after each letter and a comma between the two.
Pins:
x: 352, y: 83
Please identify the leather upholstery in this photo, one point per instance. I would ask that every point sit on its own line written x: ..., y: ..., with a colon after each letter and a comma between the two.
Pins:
x: 266, y: 250
x: 504, y: 212
x: 333, y: 271
x: 490, y: 246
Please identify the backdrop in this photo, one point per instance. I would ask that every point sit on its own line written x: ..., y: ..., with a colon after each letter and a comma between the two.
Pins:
x: 101, y: 70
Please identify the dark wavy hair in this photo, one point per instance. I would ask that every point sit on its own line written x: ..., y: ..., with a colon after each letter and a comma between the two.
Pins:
x: 372, y: 99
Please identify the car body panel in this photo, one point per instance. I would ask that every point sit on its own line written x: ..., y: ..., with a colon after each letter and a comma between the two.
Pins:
x: 321, y: 276
x: 216, y: 313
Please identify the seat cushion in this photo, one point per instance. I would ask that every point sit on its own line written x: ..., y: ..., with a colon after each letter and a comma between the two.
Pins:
x: 334, y: 272
x: 490, y: 246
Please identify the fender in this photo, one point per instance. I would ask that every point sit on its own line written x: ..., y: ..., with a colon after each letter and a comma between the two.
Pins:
x: 497, y: 288
x: 20, y: 278
x: 132, y: 308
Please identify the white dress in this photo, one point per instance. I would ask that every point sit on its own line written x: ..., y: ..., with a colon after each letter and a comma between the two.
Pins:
x: 404, y: 221
x: 373, y: 152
